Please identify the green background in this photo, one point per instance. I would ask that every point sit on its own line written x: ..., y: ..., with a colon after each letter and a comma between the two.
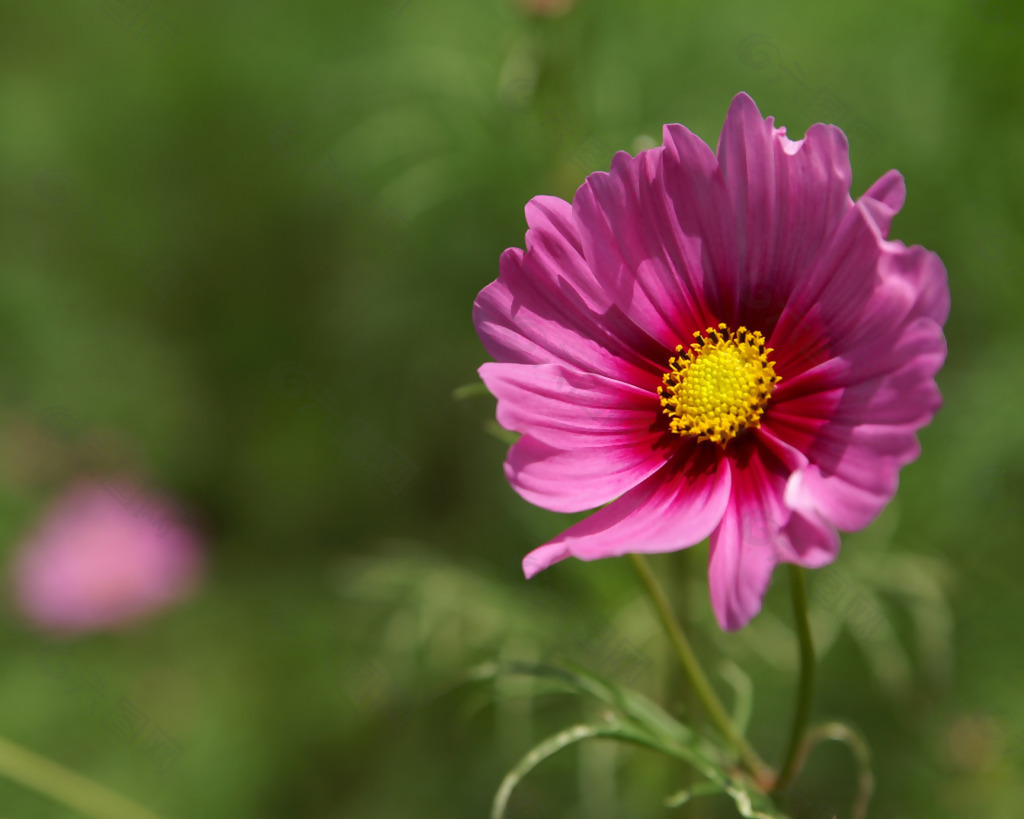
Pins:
x: 239, y: 243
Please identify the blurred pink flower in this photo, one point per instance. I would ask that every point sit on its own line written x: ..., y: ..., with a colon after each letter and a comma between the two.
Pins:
x: 717, y: 344
x: 103, y: 556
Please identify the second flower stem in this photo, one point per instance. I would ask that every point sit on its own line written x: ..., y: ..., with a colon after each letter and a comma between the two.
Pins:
x: 695, y: 673
x: 805, y: 695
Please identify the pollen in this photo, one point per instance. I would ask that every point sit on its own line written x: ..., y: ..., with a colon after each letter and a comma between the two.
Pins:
x: 719, y: 386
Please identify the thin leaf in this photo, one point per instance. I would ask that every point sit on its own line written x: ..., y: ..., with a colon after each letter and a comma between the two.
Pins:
x: 852, y: 739
x: 499, y: 432
x: 551, y: 746
x: 635, y: 706
x: 677, y: 800
x: 470, y: 390
x: 743, y: 688
x: 646, y: 723
x: 752, y: 804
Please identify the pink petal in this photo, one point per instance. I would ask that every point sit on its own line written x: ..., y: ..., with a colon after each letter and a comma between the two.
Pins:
x: 924, y: 274
x: 568, y: 409
x: 701, y: 222
x: 860, y: 295
x: 589, y: 439
x: 788, y: 197
x: 629, y: 236
x: 842, y: 499
x: 806, y: 538
x: 556, y: 255
x: 895, y: 370
x: 885, y: 199
x: 742, y: 555
x: 675, y: 508
x: 759, y: 530
x: 527, y: 316
x: 856, y: 421
x: 576, y: 480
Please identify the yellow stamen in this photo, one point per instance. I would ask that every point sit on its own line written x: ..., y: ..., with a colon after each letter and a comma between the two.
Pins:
x: 719, y: 386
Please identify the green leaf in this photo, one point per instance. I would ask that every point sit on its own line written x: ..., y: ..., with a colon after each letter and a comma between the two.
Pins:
x: 551, y: 746
x: 638, y: 709
x: 751, y: 803
x: 470, y: 390
x: 677, y: 800
x: 854, y: 740
x: 744, y: 690
x: 641, y: 722
x: 499, y: 432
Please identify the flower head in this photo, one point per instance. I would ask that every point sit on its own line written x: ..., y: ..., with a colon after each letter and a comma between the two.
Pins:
x: 715, y: 343
x: 103, y: 556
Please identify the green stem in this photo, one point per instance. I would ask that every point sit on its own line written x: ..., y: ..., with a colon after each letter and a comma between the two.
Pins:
x: 678, y: 591
x: 698, y: 679
x: 805, y: 693
x: 65, y: 786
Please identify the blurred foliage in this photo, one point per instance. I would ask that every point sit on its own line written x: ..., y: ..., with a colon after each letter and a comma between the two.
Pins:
x: 239, y: 244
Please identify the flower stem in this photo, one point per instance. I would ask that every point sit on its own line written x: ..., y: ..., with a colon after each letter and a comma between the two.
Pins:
x: 805, y: 693
x: 677, y: 591
x: 65, y: 786
x: 695, y: 674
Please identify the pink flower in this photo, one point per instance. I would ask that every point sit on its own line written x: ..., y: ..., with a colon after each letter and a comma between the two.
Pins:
x: 715, y: 344
x: 105, y: 555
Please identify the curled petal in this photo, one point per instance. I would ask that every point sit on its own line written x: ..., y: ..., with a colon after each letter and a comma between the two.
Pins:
x: 675, y: 508
x: 759, y: 530
x: 885, y: 199
x: 855, y: 415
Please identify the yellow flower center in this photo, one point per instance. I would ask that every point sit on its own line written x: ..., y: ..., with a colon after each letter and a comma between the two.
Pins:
x: 719, y: 386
